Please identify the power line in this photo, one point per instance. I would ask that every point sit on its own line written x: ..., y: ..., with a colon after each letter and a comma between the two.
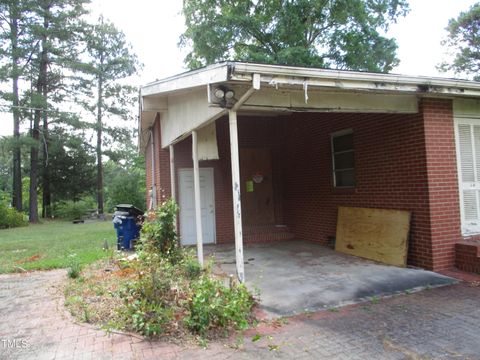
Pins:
x: 9, y: 108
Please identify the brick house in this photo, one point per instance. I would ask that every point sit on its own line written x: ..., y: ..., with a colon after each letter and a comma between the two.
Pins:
x: 305, y: 141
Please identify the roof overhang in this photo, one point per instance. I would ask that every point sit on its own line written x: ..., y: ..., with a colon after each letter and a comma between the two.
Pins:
x: 285, y: 89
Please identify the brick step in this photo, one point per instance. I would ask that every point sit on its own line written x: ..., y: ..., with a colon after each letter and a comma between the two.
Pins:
x: 266, y: 233
x: 467, y: 255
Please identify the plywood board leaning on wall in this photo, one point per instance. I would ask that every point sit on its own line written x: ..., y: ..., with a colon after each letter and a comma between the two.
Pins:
x: 376, y: 234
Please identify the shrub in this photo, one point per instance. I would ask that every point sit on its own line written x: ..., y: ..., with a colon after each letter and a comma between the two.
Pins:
x: 150, y: 319
x: 214, y: 306
x: 74, y: 267
x: 10, y: 218
x: 71, y: 210
x: 192, y: 267
x: 126, y: 187
x: 158, y: 235
x: 169, y: 293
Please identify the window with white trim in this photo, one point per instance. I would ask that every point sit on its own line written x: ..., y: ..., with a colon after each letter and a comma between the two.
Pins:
x: 468, y: 162
x: 343, y: 158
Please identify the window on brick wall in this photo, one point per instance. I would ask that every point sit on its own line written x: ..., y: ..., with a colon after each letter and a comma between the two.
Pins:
x: 468, y: 160
x: 343, y: 157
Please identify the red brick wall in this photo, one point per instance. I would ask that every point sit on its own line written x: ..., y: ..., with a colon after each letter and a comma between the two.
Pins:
x: 161, y: 164
x: 391, y: 157
x: 392, y: 152
x: 467, y: 256
x: 442, y: 180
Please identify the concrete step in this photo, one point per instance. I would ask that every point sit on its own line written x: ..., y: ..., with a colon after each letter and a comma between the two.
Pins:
x: 467, y: 255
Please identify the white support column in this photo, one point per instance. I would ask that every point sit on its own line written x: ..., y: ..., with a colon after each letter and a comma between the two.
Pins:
x: 237, y: 204
x: 198, y: 205
x: 172, y: 178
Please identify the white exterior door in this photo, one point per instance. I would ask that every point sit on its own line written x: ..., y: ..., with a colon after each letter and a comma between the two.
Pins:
x: 467, y: 132
x: 188, y: 233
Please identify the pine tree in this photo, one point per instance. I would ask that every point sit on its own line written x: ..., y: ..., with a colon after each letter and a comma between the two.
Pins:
x: 58, y: 28
x: 108, y: 59
x: 16, y: 50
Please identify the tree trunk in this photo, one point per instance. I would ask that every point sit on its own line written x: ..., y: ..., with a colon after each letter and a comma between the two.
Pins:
x: 46, y: 200
x: 17, y: 170
x: 41, y: 88
x: 99, y: 147
x: 33, y: 202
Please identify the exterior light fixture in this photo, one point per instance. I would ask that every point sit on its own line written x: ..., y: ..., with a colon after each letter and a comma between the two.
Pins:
x: 229, y: 94
x: 224, y: 96
x: 219, y: 93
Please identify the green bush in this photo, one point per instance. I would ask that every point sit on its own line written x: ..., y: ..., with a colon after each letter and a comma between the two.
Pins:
x: 158, y: 235
x: 126, y: 187
x: 71, y: 210
x: 192, y: 267
x: 214, y: 306
x: 10, y: 218
x: 150, y: 318
x: 172, y: 292
x: 74, y: 267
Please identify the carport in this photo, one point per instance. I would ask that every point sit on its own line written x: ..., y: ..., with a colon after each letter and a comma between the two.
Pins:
x: 250, y: 153
x: 294, y: 277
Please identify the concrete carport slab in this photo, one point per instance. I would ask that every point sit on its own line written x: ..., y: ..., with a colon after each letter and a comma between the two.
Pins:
x: 297, y: 276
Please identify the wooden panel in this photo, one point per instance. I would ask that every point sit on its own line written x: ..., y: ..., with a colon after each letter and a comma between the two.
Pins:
x: 257, y: 199
x: 376, y: 234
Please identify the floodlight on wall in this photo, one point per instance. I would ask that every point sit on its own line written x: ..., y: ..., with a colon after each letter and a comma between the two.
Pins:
x: 219, y: 93
x: 222, y: 93
x: 229, y: 94
x: 223, y: 96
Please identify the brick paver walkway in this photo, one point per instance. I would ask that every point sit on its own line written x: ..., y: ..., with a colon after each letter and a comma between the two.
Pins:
x: 442, y: 323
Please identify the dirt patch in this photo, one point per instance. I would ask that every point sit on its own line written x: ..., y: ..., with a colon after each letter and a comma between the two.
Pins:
x: 29, y: 259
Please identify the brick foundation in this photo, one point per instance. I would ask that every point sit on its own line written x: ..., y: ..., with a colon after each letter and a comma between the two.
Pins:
x: 467, y: 256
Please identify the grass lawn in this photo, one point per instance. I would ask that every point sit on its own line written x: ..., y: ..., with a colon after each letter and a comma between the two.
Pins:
x: 48, y: 245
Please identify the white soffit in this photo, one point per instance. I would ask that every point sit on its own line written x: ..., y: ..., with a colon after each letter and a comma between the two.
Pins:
x: 186, y: 112
x: 323, y: 100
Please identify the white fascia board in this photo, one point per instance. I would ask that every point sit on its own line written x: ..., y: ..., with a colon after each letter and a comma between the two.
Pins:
x: 208, y: 75
x: 276, y: 75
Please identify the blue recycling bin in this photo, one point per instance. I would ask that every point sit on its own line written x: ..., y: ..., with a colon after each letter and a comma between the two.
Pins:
x: 125, y: 222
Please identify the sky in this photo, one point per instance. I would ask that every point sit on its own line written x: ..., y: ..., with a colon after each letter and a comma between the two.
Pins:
x: 153, y: 29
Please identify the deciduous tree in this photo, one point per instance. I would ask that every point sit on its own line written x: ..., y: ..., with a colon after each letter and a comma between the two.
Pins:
x: 345, y: 34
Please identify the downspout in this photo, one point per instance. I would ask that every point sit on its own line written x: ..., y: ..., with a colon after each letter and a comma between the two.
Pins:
x: 153, y: 190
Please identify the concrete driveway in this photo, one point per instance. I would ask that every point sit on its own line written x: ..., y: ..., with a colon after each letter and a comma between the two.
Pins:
x: 442, y: 323
x: 297, y: 276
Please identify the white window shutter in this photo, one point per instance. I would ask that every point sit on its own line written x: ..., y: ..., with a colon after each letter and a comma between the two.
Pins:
x: 470, y: 205
x: 466, y: 152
